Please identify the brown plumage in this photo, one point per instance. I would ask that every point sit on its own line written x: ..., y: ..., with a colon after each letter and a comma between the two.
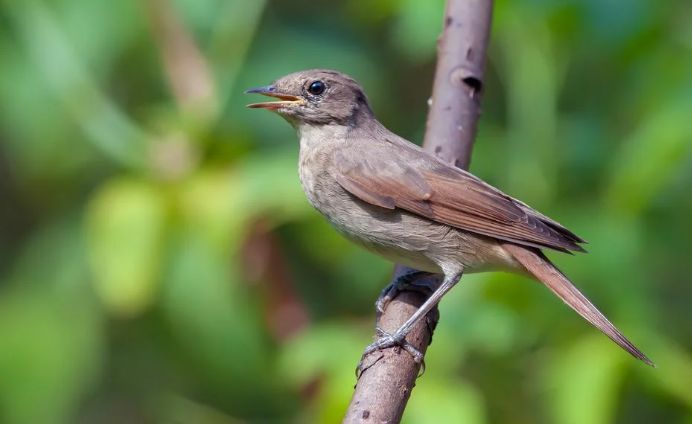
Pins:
x: 424, y: 186
x: 395, y: 199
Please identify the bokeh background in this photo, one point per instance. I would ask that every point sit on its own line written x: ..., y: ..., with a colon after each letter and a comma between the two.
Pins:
x: 159, y: 264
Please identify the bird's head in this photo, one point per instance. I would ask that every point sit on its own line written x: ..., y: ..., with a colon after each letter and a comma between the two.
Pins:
x: 315, y: 97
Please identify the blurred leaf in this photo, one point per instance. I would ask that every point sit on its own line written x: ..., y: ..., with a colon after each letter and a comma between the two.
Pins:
x: 217, y: 323
x: 445, y: 401
x: 326, y: 354
x: 54, y: 257
x: 175, y: 409
x: 304, y: 358
x: 210, y: 204
x: 651, y: 155
x: 36, y: 147
x: 531, y: 69
x: 104, y: 123
x: 673, y: 373
x: 418, y: 25
x: 98, y: 32
x: 613, y: 279
x: 373, y: 12
x: 491, y: 327
x: 125, y: 227
x: 220, y: 203
x: 212, y: 315
x: 234, y: 29
x: 49, y: 356
x: 270, y: 186
x: 583, y: 381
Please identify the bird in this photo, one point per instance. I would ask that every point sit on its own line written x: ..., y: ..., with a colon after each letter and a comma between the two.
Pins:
x: 390, y: 196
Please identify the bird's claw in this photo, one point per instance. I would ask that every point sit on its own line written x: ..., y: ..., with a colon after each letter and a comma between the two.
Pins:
x: 387, y: 295
x: 406, y: 281
x: 385, y: 341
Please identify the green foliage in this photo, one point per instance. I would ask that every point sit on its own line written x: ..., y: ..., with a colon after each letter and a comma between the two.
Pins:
x: 159, y: 263
x: 125, y: 226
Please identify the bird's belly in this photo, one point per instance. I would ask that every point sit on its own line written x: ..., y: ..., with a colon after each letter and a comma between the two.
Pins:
x: 397, y: 250
x: 419, y: 243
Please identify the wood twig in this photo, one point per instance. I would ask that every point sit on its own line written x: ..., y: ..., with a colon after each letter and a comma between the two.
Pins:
x: 384, y: 386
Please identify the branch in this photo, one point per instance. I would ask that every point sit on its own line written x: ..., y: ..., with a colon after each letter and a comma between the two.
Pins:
x: 385, y: 385
x: 451, y: 126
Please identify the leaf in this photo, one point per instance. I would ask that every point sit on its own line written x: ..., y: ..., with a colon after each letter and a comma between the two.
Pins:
x: 584, y: 381
x: 326, y: 353
x: 217, y: 322
x: 445, y: 400
x: 52, y: 54
x: 674, y: 371
x: 650, y: 157
x: 49, y: 355
x: 270, y: 186
x: 125, y: 226
x: 234, y: 30
x: 418, y: 26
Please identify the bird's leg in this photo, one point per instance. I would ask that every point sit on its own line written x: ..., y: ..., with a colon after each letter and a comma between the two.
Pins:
x: 398, y: 338
x: 406, y: 279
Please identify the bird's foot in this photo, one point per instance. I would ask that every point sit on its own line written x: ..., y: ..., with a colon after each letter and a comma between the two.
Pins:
x: 385, y: 341
x: 409, y: 280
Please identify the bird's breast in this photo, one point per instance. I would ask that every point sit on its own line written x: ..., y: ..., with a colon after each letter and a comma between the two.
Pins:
x: 314, y: 178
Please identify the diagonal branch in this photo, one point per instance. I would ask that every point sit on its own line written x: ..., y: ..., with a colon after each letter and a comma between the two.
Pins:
x: 385, y: 385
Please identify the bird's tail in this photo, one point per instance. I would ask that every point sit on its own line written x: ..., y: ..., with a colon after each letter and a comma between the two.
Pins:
x: 544, y: 271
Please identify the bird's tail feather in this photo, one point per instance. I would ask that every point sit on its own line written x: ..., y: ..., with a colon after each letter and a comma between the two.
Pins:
x: 544, y: 271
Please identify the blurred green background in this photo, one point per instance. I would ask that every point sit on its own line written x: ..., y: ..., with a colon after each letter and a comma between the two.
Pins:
x: 159, y: 263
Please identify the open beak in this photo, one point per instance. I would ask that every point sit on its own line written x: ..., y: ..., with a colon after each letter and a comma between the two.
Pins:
x: 270, y: 90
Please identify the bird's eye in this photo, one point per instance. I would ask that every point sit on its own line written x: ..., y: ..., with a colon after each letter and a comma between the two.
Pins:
x: 316, y: 88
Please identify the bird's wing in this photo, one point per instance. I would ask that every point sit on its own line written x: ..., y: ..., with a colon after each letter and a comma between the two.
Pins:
x: 397, y: 174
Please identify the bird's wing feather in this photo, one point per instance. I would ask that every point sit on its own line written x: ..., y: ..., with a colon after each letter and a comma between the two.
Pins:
x: 396, y: 174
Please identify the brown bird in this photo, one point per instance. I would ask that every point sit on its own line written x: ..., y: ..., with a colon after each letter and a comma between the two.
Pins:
x: 388, y: 195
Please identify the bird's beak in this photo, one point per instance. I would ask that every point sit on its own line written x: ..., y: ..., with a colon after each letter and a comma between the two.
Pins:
x: 271, y: 91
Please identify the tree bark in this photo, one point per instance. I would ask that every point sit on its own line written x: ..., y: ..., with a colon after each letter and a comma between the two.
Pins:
x: 388, y: 376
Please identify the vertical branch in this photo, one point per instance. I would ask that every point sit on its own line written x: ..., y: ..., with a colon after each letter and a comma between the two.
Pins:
x: 453, y: 116
x: 384, y: 387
